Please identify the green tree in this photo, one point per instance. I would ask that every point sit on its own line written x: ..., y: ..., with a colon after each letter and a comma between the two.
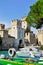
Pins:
x: 35, y: 16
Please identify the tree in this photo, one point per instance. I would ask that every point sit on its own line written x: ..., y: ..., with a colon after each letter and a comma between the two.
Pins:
x: 35, y: 16
x: 27, y: 30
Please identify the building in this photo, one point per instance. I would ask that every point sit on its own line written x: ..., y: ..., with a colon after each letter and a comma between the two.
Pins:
x: 7, y: 41
x: 40, y: 37
x: 17, y: 30
x: 24, y: 23
x: 16, y: 35
x: 30, y: 38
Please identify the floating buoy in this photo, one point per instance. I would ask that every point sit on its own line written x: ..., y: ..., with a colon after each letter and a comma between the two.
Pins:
x: 11, y: 52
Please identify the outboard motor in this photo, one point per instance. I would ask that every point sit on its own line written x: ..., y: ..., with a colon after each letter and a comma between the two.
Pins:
x: 12, y: 52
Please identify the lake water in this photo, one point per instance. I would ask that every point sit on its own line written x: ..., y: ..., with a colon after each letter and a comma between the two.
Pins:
x: 6, y: 54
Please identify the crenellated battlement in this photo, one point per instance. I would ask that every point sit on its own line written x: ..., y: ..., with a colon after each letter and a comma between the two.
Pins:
x: 2, y: 26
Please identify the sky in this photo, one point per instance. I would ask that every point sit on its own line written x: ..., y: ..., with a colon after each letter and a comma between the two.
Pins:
x: 14, y: 9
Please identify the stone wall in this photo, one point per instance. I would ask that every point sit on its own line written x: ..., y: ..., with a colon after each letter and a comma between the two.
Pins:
x: 30, y: 37
x: 7, y: 41
x: 40, y: 37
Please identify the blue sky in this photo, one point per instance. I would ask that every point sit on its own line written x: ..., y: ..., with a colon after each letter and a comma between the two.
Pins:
x: 14, y: 9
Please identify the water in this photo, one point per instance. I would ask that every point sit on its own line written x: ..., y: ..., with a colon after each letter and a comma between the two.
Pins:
x: 16, y: 57
x: 4, y: 52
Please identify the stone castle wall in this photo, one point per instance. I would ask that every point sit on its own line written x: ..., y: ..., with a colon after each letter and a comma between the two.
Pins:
x: 40, y: 37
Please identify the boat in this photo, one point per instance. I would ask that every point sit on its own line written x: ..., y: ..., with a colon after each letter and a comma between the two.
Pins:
x: 2, y: 56
x: 22, y: 55
x: 41, y: 58
x: 28, y: 52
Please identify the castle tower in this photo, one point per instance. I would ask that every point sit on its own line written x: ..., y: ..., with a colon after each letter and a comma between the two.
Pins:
x: 40, y: 37
x: 15, y: 28
x: 16, y: 23
x: 29, y: 38
x: 2, y: 26
x: 17, y: 31
x: 24, y: 23
x: 2, y: 29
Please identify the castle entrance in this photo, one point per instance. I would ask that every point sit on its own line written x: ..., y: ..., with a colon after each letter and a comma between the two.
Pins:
x: 20, y: 44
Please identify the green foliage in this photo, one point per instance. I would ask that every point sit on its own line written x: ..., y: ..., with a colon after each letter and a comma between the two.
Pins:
x: 27, y: 30
x: 36, y: 14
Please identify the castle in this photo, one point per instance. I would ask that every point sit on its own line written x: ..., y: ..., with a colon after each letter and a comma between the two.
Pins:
x: 15, y: 35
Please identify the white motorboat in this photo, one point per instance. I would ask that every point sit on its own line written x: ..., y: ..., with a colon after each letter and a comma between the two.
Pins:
x: 28, y: 52
x: 41, y: 58
x: 22, y: 54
